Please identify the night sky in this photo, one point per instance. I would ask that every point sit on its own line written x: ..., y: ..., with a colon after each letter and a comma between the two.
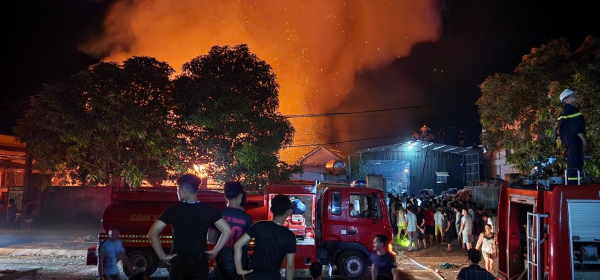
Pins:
x: 436, y: 83
x: 480, y: 38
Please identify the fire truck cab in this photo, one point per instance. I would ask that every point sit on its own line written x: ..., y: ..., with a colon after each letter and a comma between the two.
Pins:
x: 549, y: 232
x: 325, y: 229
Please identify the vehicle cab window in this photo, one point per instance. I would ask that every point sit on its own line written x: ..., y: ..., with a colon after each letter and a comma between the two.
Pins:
x: 365, y: 206
x: 336, y: 205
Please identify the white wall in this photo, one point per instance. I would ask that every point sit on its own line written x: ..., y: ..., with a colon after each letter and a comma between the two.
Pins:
x: 495, y: 164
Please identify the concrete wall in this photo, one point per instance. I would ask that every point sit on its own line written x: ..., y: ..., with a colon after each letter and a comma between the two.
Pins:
x: 80, y: 207
x: 496, y: 165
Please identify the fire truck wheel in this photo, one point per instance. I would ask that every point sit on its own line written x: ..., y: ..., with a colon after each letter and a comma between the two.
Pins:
x: 352, y: 263
x: 140, y: 261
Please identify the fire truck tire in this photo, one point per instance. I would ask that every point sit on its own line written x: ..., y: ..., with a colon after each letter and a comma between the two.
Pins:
x: 140, y: 261
x: 352, y: 263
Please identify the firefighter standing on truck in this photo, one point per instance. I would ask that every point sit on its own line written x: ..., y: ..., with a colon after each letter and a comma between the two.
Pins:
x: 572, y: 134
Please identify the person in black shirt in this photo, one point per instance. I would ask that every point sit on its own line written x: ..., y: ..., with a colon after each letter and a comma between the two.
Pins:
x: 420, y: 227
x: 480, y: 222
x: 474, y: 271
x: 240, y: 222
x: 190, y: 220
x: 571, y: 127
x: 316, y: 270
x: 450, y: 229
x: 383, y: 263
x: 272, y: 243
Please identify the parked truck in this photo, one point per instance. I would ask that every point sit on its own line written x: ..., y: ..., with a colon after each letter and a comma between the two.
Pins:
x: 549, y: 232
x: 327, y: 232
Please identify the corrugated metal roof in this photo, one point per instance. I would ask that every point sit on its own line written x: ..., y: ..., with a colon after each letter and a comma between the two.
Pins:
x: 422, y: 145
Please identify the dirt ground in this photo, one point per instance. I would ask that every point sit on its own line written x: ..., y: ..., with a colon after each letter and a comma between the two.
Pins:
x: 431, y: 258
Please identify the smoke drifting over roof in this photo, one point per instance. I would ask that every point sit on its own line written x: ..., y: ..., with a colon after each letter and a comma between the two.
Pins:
x: 315, y: 47
x: 438, y: 82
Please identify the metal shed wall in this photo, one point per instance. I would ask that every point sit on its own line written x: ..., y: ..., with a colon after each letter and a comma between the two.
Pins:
x: 423, y: 165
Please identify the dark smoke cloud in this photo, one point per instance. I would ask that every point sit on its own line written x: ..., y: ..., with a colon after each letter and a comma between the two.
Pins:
x: 479, y: 38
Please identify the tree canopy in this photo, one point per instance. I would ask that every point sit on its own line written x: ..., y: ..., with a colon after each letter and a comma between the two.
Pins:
x: 228, y: 101
x: 519, y: 110
x: 132, y: 119
x: 109, y: 121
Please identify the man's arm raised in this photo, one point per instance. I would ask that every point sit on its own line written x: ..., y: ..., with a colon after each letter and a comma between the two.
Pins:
x: 153, y: 235
x: 223, y: 226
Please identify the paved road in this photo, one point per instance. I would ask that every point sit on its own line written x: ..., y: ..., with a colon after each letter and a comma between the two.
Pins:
x: 434, y: 256
x: 75, y: 268
x: 62, y: 255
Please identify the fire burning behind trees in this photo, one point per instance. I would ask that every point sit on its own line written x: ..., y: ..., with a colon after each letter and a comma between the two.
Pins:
x: 315, y: 47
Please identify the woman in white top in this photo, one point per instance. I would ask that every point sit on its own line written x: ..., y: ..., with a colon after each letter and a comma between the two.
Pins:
x: 487, y: 243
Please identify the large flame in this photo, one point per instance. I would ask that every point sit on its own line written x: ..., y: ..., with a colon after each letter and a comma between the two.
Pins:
x: 315, y: 47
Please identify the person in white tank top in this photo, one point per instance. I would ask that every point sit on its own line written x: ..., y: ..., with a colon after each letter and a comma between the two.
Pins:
x: 487, y: 244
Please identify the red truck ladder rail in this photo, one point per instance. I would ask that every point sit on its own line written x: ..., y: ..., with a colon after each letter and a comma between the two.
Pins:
x: 533, y: 245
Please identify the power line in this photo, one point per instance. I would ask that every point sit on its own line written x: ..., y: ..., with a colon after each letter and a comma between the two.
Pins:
x: 348, y: 141
x: 364, y: 139
x: 468, y: 122
x: 349, y: 116
x: 340, y: 131
x: 14, y: 108
x: 359, y: 112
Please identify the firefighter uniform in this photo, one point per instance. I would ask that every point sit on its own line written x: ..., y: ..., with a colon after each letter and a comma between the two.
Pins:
x: 571, y: 123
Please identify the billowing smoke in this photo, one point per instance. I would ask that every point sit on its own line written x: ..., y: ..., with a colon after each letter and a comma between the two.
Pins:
x: 315, y: 47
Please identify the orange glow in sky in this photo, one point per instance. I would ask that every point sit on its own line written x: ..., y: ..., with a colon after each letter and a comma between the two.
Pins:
x: 315, y: 47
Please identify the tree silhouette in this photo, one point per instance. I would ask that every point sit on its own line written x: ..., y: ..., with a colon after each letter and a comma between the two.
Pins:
x: 109, y: 121
x: 228, y: 102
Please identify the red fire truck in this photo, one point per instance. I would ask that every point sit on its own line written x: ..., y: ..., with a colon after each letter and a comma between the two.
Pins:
x: 332, y: 236
x: 549, y: 232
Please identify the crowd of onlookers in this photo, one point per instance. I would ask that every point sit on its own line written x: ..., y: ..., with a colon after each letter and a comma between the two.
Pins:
x: 445, y: 221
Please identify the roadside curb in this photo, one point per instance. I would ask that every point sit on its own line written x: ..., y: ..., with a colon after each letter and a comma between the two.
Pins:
x: 57, y: 253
